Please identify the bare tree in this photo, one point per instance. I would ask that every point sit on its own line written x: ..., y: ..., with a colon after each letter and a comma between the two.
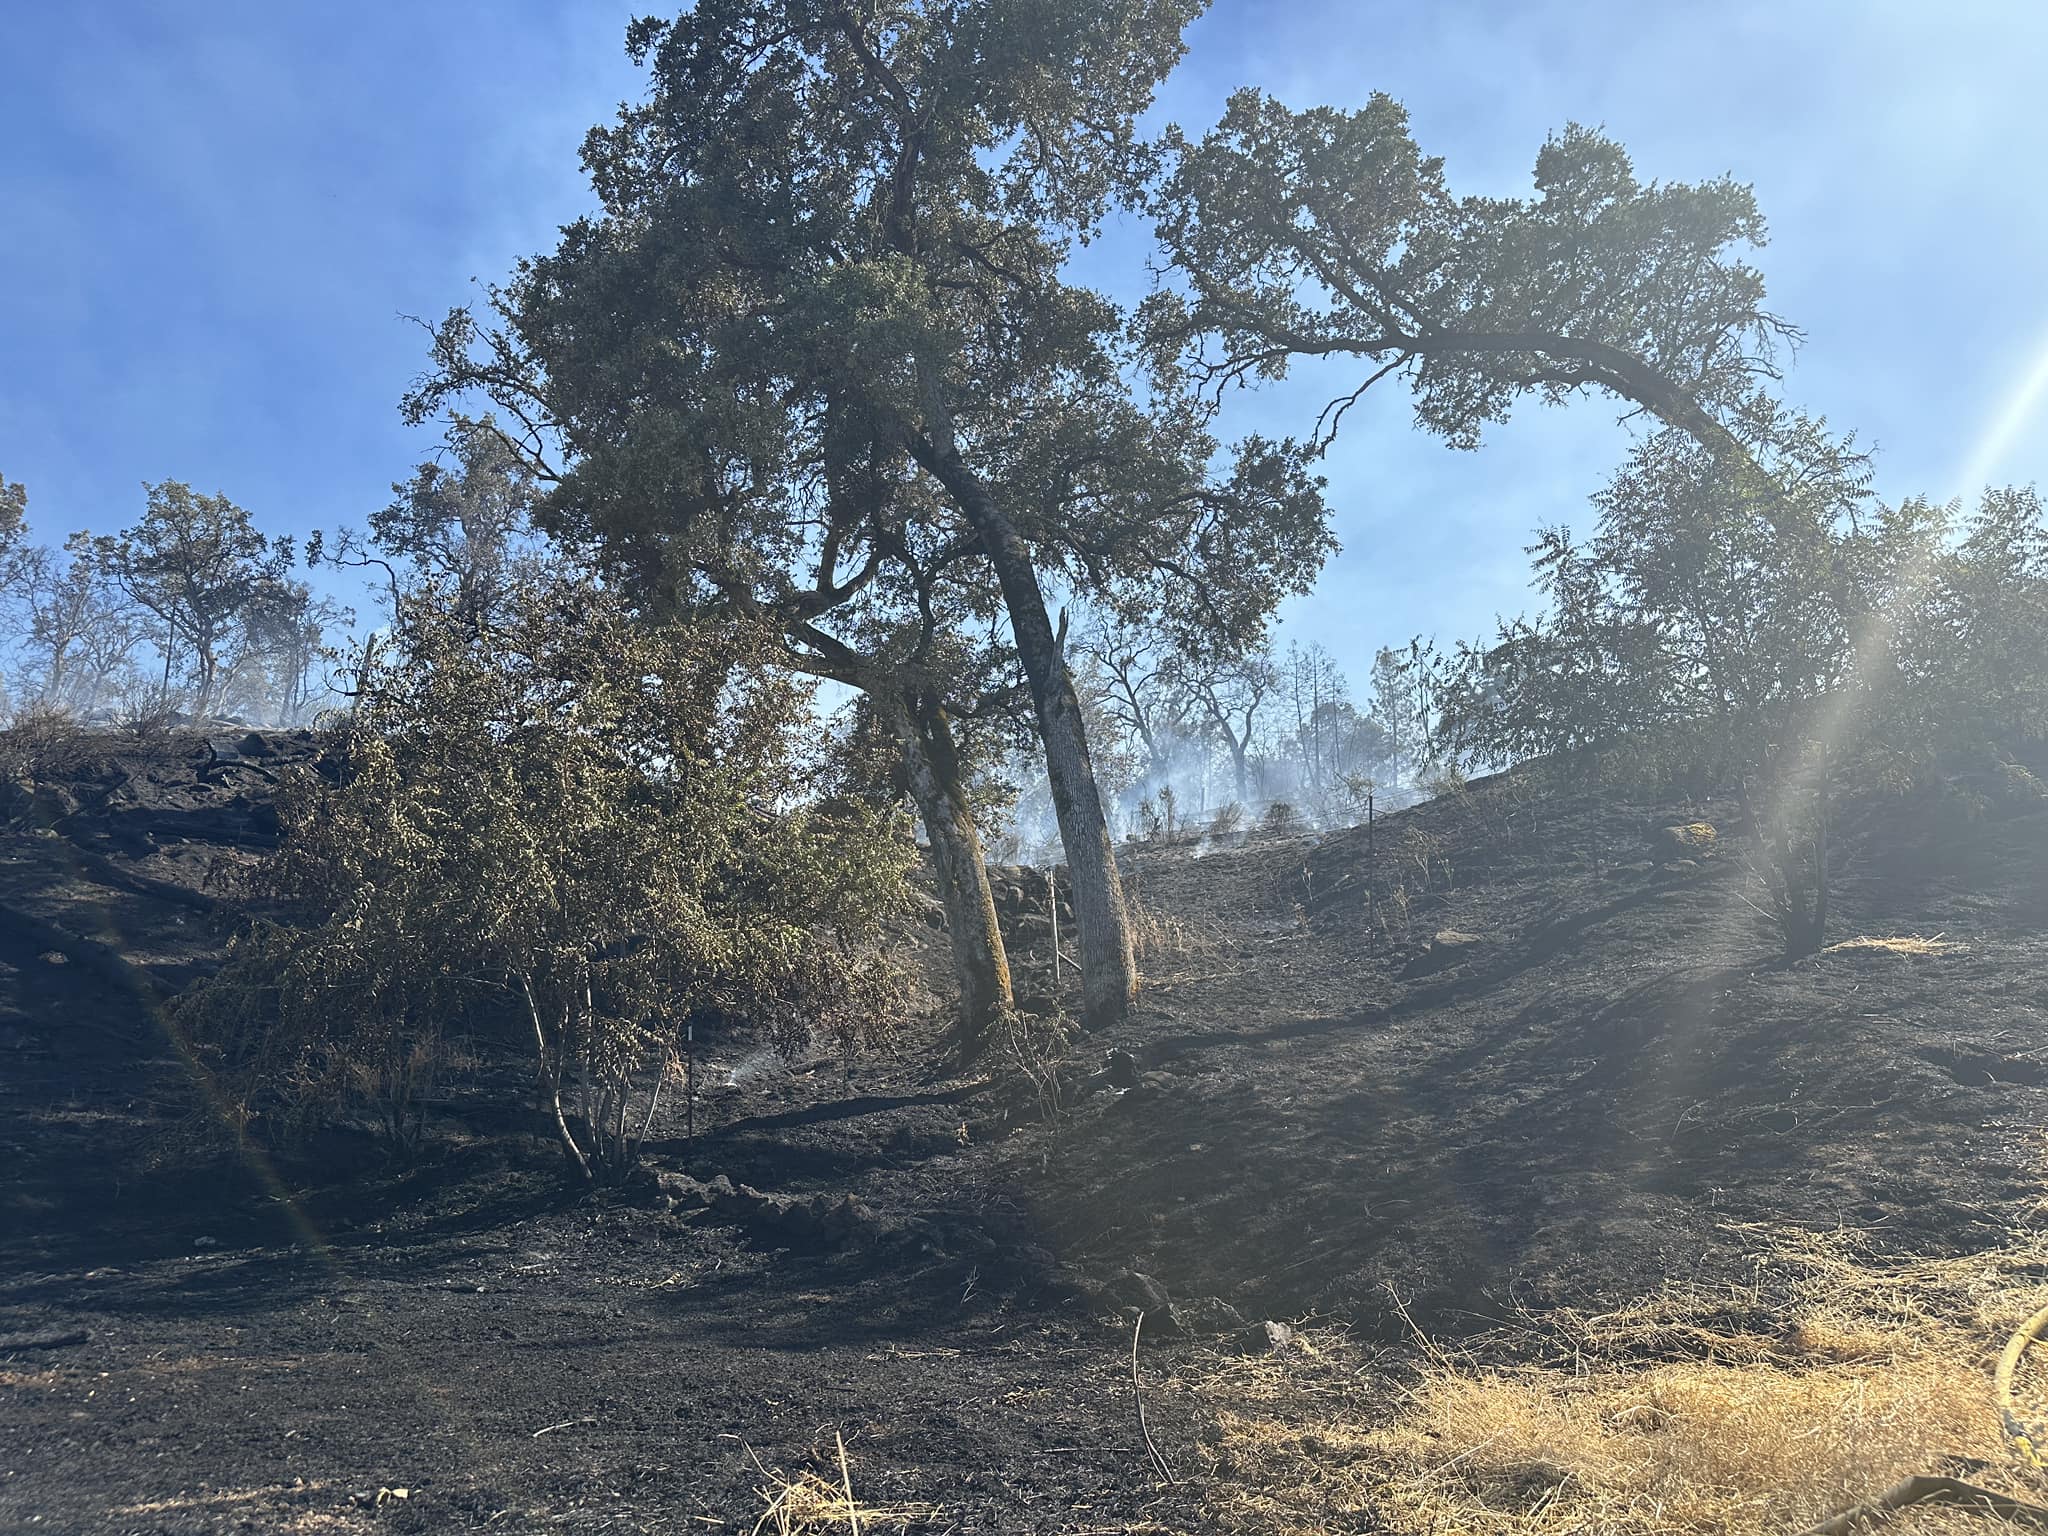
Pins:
x: 82, y: 629
x: 1232, y: 697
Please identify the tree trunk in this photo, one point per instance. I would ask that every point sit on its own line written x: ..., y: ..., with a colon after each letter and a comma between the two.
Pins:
x: 932, y: 766
x: 1109, y: 972
x: 1240, y: 770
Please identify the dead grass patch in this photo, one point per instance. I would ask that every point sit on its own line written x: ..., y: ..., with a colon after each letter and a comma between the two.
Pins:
x: 1163, y: 943
x: 19, y: 1379
x: 1691, y: 1413
x: 1906, y: 944
x: 808, y: 1504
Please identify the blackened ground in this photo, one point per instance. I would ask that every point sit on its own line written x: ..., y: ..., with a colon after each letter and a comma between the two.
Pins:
x: 1331, y: 1112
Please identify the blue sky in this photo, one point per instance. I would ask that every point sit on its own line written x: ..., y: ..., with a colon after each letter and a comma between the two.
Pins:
x: 213, y: 217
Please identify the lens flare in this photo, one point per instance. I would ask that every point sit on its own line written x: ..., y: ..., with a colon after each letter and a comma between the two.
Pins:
x: 2005, y: 428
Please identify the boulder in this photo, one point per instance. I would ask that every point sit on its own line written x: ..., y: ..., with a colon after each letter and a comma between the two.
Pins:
x: 1447, y: 947
x: 1266, y: 1338
x: 1212, y: 1316
x: 16, y: 797
x: 1032, y: 925
x: 1135, y: 1288
x: 1686, y: 840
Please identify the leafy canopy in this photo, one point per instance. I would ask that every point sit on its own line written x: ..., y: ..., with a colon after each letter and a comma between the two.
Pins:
x: 567, y: 826
x: 828, y: 264
x: 1326, y: 232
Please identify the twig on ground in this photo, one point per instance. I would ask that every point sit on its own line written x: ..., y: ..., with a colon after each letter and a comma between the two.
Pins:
x: 1138, y: 1392
x: 565, y: 1424
x: 846, y: 1481
x: 1933, y: 1490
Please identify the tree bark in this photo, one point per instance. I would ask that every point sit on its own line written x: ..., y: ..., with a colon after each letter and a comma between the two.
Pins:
x: 932, y: 765
x: 1109, y: 971
x: 1240, y: 770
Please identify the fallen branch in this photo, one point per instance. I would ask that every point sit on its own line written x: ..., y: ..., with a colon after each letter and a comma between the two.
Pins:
x: 565, y: 1424
x: 49, y: 1338
x: 1932, y: 1490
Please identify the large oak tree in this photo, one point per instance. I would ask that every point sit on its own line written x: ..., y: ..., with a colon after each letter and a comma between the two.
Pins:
x: 817, y: 350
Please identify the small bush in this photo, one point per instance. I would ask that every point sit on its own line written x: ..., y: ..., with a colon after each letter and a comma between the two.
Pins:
x: 44, y: 744
x: 570, y: 829
x: 1227, y: 822
x: 1036, y: 1051
x: 1281, y: 820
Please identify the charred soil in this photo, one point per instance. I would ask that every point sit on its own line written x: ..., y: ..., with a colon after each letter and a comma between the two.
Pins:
x: 1509, y: 1050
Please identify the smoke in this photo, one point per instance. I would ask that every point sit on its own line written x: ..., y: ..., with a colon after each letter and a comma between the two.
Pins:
x: 756, y: 1063
x: 1186, y: 794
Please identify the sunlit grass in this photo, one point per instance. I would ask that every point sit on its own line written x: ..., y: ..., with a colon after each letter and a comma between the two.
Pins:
x: 1908, y: 944
x: 1690, y: 1413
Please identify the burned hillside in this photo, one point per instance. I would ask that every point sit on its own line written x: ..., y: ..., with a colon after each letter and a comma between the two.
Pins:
x: 1572, y: 1070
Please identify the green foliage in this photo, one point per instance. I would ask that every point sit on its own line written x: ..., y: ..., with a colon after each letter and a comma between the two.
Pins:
x: 201, y: 567
x: 1330, y: 232
x: 1974, y: 649
x: 13, y: 516
x: 462, y: 521
x: 1697, y: 635
x: 827, y: 280
x: 566, y: 826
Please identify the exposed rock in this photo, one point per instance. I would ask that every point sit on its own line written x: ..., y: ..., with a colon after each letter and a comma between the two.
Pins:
x: 1688, y: 840
x: 683, y: 1192
x: 1212, y: 1316
x: 788, y: 1221
x: 51, y: 803
x: 1266, y: 1338
x: 1032, y: 925
x: 1120, y: 1068
x: 1151, y: 1086
x: 1135, y: 1288
x: 16, y: 797
x: 1448, y: 947
x: 1083, y: 1290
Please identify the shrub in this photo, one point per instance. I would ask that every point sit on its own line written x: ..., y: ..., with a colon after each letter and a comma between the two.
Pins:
x: 573, y: 829
x: 1281, y: 820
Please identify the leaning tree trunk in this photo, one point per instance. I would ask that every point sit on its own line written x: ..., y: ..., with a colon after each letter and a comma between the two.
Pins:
x: 1240, y: 769
x: 1109, y: 972
x: 932, y: 765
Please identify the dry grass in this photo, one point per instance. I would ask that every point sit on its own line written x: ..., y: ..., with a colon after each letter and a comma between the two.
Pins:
x: 1162, y: 942
x: 808, y: 1504
x: 1761, y: 1409
x: 1910, y: 944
